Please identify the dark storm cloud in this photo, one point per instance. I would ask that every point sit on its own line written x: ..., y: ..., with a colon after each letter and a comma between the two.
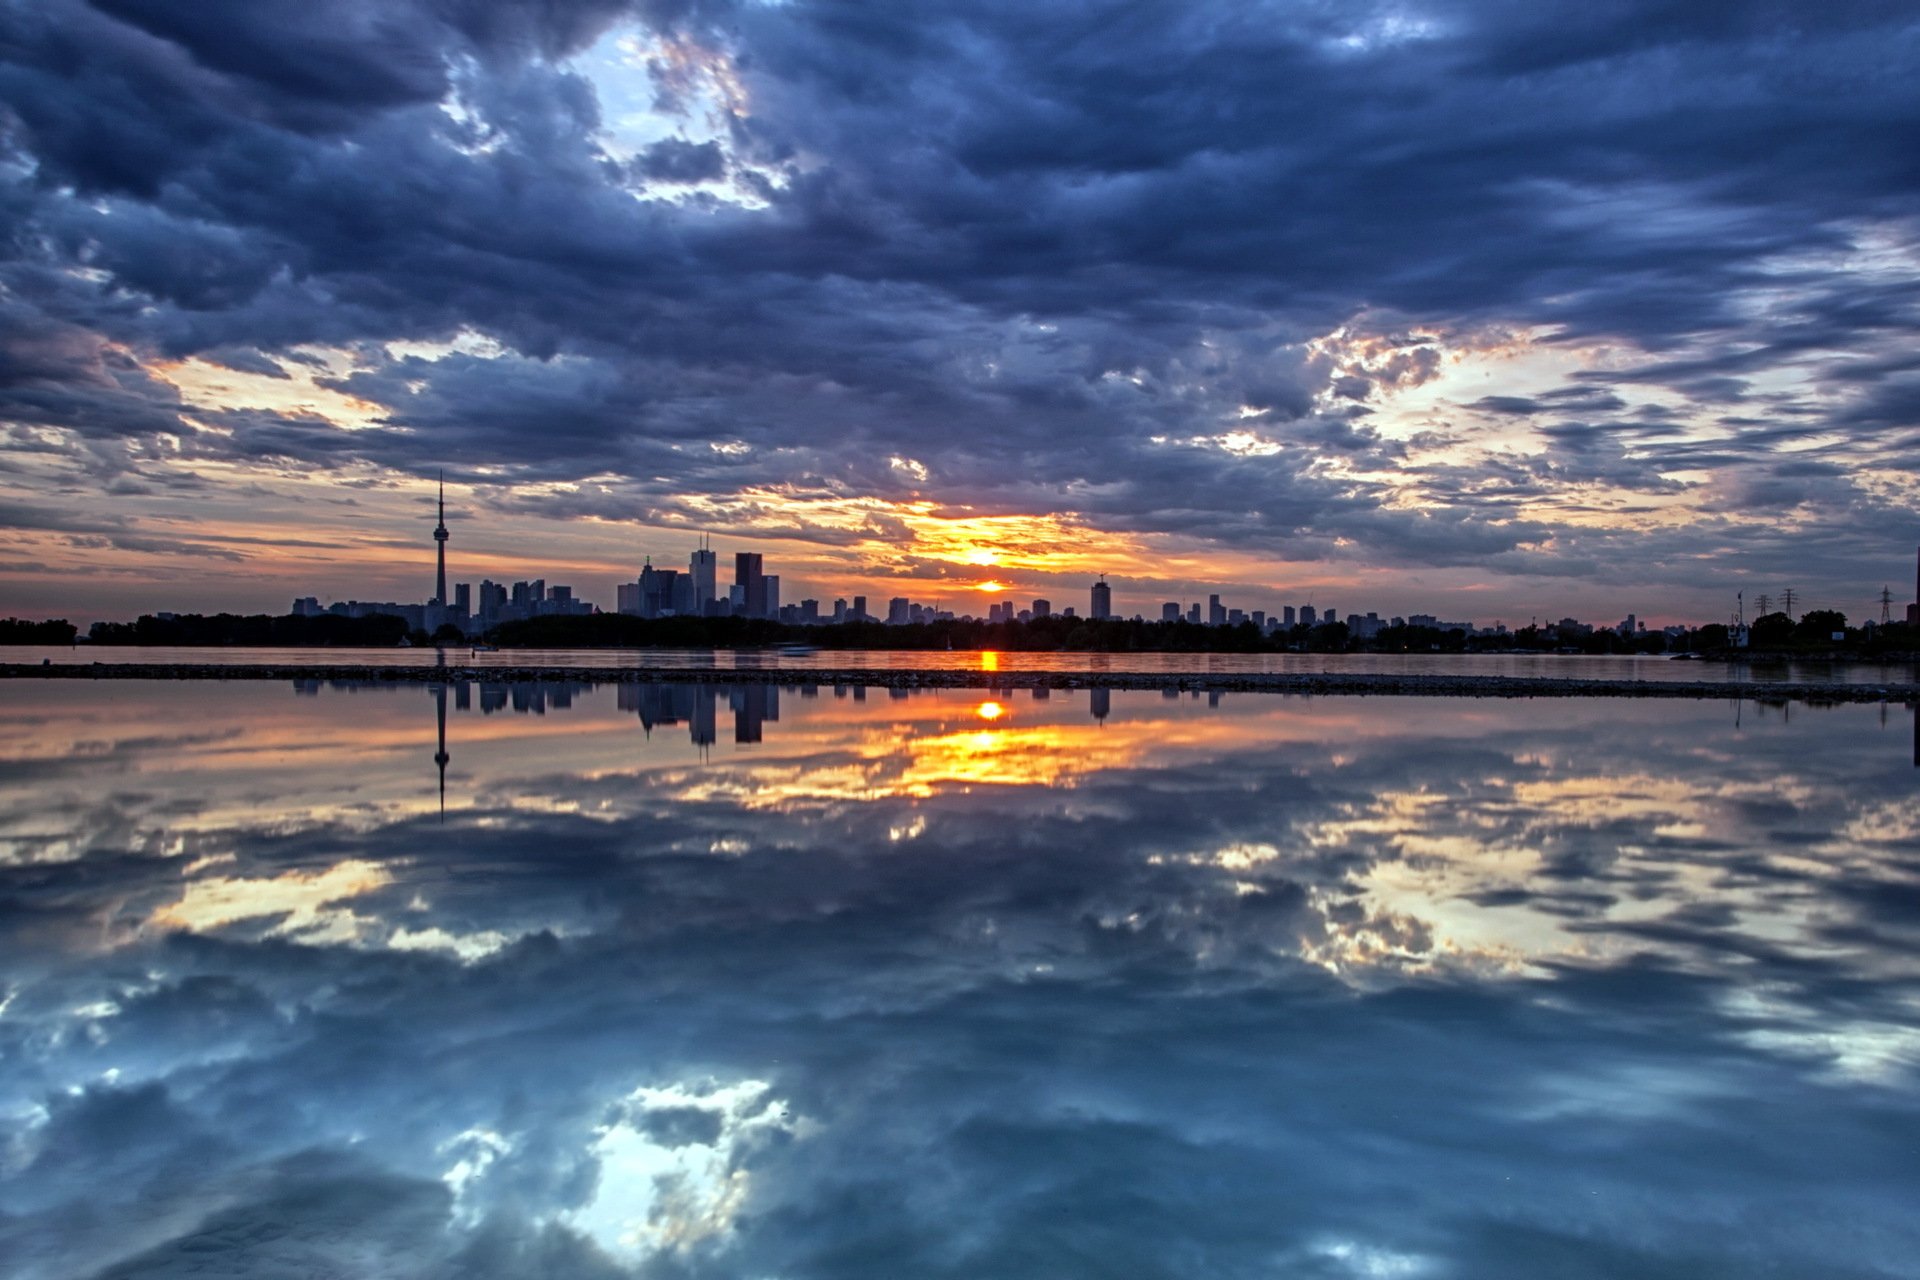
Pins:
x: 1001, y: 239
x: 674, y: 160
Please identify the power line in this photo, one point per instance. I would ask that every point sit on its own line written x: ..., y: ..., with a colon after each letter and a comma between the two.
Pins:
x: 1786, y: 602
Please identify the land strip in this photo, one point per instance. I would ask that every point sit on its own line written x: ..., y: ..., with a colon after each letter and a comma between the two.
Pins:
x: 1397, y: 685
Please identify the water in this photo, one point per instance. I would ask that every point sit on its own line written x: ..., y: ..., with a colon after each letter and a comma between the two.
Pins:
x: 782, y: 982
x: 1552, y: 666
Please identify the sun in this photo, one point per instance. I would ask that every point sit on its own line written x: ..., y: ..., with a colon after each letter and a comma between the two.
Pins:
x: 989, y: 711
x: 990, y: 585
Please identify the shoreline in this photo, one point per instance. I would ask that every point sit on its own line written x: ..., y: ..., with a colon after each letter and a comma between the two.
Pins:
x: 1326, y: 683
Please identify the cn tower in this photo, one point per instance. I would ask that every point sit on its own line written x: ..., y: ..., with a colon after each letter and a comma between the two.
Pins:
x: 440, y: 538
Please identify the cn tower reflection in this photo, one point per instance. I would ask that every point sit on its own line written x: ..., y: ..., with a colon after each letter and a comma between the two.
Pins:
x: 440, y: 756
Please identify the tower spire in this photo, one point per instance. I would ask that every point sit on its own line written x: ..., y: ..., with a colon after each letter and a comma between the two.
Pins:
x: 440, y: 537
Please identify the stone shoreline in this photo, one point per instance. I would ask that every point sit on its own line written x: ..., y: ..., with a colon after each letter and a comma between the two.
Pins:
x: 1408, y: 685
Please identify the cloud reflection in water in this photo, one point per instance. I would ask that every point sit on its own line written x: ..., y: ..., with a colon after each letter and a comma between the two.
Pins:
x: 782, y: 983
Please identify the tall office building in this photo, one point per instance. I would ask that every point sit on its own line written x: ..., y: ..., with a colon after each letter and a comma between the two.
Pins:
x: 1286, y: 617
x: 752, y: 581
x: 703, y: 568
x: 859, y: 610
x: 1307, y: 616
x: 897, y: 609
x: 1216, y: 612
x: 1170, y: 611
x: 1043, y: 608
x: 770, y: 589
x: 1102, y: 599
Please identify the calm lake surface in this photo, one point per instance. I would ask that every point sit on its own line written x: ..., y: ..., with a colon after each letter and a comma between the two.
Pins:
x: 759, y: 982
x: 1553, y: 666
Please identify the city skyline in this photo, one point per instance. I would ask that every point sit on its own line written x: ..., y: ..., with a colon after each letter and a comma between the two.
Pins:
x: 659, y: 591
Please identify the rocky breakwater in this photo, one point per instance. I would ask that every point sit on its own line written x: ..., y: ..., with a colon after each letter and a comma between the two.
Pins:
x: 1397, y: 685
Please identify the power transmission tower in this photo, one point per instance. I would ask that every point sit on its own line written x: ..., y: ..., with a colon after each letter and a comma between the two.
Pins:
x: 1762, y: 605
x: 1886, y: 605
x: 1786, y: 602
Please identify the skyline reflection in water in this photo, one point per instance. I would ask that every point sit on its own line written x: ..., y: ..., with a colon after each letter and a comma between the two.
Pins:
x: 753, y: 981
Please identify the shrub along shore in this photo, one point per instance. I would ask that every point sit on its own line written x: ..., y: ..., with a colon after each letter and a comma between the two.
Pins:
x: 1396, y: 685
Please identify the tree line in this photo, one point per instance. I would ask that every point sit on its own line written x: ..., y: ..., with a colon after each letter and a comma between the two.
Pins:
x: 1773, y: 633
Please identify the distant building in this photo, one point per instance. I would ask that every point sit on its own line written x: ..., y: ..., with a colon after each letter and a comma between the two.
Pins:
x: 898, y: 611
x: 1102, y: 606
x: 1043, y: 608
x: 750, y: 576
x: 1216, y: 612
x: 1170, y: 611
x: 703, y: 571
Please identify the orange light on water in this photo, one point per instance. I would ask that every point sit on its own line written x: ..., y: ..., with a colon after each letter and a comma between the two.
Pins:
x: 989, y: 711
x: 989, y: 660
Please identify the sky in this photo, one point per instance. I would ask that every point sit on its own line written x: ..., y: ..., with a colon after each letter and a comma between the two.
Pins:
x: 1472, y: 307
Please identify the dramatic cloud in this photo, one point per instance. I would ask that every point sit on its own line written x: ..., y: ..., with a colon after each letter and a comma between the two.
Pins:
x: 1242, y: 292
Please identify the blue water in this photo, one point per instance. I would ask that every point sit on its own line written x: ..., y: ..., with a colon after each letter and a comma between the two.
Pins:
x: 705, y: 981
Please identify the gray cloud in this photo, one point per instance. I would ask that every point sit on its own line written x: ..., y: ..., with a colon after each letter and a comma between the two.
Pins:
x: 1007, y: 241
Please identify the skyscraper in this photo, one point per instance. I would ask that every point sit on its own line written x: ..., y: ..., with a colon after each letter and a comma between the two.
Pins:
x: 704, y: 569
x: 1102, y: 599
x: 752, y: 581
x: 1216, y: 612
x: 440, y: 537
x: 1170, y: 611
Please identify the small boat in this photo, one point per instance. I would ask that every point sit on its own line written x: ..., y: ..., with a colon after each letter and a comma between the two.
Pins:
x: 798, y: 650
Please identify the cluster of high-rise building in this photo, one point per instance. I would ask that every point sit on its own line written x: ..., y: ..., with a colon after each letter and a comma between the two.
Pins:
x: 754, y: 593
x: 498, y: 602
x: 697, y: 591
